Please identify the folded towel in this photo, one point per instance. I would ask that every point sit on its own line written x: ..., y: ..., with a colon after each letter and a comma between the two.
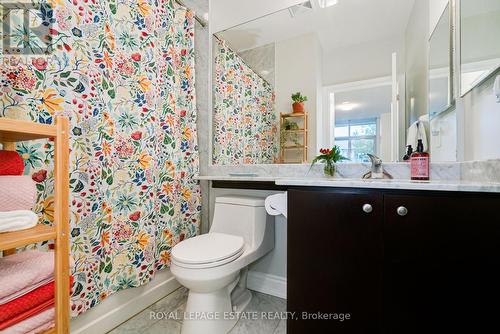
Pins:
x: 11, y: 221
x: 23, y: 270
x: 11, y: 163
x: 16, y: 310
x: 25, y: 303
x: 17, y: 193
x: 26, y: 290
x: 27, y: 314
x: 34, y: 323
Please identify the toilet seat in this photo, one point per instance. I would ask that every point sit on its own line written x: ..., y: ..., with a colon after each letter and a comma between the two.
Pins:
x: 208, y: 250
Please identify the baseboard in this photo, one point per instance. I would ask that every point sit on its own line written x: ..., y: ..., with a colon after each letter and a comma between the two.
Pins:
x: 123, y: 305
x: 267, y: 283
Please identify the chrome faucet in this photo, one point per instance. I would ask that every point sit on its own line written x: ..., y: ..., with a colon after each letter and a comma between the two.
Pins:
x: 377, y: 170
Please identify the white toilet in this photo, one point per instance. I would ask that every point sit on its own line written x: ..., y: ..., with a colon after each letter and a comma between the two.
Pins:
x: 213, y: 266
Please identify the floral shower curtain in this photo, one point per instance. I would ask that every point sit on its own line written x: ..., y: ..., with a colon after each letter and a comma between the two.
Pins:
x: 245, y: 122
x: 123, y: 71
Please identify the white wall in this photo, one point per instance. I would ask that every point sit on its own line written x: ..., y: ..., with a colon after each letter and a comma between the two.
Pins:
x: 361, y: 61
x: 298, y: 69
x: 471, y: 131
x: 417, y: 50
x: 225, y: 14
x: 443, y: 137
x: 385, y: 137
x: 436, y: 8
x: 482, y: 123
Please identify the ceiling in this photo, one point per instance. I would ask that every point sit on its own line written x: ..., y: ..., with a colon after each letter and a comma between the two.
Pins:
x: 369, y: 103
x: 347, y: 23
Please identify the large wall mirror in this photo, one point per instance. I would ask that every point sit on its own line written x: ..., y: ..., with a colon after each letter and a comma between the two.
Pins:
x: 357, y: 71
x: 440, y: 66
x: 479, y: 40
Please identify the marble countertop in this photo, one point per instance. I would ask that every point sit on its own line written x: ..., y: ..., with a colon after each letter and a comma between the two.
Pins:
x: 237, y: 178
x: 433, y: 185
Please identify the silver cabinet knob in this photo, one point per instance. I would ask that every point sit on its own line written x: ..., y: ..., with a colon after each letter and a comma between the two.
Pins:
x: 367, y: 208
x: 402, y: 211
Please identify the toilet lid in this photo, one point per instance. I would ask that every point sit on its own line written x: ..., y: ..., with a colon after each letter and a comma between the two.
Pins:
x: 206, y: 248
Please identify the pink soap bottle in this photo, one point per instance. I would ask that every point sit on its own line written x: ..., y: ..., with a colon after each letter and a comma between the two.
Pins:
x: 420, y: 163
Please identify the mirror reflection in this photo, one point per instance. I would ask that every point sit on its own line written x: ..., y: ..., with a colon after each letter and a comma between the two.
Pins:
x: 320, y: 74
x: 480, y: 49
x: 440, y: 74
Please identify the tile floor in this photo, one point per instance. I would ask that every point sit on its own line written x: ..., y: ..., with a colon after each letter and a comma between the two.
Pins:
x: 176, y: 301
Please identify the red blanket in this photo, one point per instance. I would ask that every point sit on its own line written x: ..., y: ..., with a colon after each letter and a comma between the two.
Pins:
x: 28, y: 305
x: 28, y: 314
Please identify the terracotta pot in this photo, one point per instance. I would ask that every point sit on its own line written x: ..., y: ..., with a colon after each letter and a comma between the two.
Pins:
x: 298, y: 108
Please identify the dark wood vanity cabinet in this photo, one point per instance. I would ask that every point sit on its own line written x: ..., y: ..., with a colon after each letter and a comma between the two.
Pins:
x: 334, y: 256
x: 417, y: 262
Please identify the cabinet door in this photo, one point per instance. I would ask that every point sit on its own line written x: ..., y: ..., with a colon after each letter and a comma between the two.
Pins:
x: 441, y: 268
x: 334, y: 260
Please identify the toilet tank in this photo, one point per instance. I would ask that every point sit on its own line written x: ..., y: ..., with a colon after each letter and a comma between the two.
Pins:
x: 240, y: 215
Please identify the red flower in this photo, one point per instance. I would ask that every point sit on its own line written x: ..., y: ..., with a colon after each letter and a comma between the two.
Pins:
x: 53, y: 32
x: 135, y: 216
x: 325, y: 151
x: 39, y: 176
x: 39, y: 63
x: 183, y: 113
x: 67, y: 47
x: 136, y: 135
x: 183, y: 52
x: 136, y: 56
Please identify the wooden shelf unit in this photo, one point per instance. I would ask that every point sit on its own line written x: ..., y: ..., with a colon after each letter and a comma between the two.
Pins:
x: 302, y: 131
x: 12, y: 131
x: 11, y: 240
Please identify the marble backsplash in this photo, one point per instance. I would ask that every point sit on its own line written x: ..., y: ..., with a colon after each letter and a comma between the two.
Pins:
x: 470, y: 171
x: 439, y: 171
x: 481, y: 171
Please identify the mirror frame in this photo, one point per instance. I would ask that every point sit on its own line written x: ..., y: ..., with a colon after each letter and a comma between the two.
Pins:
x: 481, y: 79
x: 451, y: 89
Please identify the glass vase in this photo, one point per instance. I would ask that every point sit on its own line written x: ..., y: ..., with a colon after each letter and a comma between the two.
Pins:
x: 329, y: 168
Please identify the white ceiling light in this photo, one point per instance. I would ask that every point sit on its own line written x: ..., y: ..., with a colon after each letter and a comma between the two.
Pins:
x: 347, y: 106
x: 327, y: 3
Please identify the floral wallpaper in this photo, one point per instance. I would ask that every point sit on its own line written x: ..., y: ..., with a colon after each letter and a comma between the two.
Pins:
x: 244, y: 122
x: 123, y: 71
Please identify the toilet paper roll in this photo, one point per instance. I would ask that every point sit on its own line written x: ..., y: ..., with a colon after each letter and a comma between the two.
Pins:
x: 277, y: 204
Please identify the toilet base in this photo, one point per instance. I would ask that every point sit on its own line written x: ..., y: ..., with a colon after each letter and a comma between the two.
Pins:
x: 240, y: 298
x: 210, y: 313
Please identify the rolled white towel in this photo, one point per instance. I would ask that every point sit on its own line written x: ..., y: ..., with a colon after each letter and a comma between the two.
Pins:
x: 17, y: 220
x: 277, y: 204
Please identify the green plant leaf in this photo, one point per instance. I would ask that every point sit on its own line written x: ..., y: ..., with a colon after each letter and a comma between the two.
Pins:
x: 108, y: 268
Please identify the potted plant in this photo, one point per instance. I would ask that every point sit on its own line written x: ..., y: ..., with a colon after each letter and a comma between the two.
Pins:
x: 329, y: 157
x: 298, y: 103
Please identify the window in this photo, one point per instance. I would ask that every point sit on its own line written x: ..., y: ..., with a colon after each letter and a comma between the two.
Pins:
x: 357, y: 138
